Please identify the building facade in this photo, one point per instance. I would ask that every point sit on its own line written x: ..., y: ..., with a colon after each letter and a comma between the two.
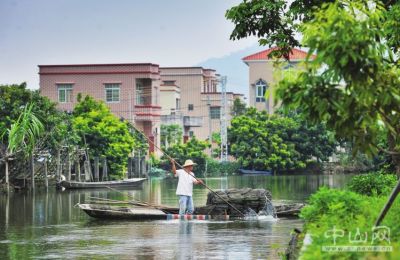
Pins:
x: 131, y: 91
x: 198, y: 107
x: 263, y: 74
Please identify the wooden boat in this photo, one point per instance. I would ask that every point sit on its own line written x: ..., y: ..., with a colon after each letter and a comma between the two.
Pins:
x: 101, y: 184
x: 140, y: 213
x: 251, y: 172
x: 105, y: 211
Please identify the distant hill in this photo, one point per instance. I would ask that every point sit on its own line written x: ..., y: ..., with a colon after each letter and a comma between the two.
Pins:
x: 233, y: 67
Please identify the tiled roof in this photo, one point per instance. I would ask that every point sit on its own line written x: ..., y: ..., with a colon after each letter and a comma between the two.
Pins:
x: 295, y: 54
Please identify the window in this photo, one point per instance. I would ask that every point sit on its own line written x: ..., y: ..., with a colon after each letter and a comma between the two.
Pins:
x: 112, y: 92
x: 261, y: 88
x: 178, y: 104
x: 169, y: 82
x: 139, y: 94
x: 190, y: 107
x: 191, y: 134
x: 156, y: 96
x: 215, y: 112
x: 64, y: 93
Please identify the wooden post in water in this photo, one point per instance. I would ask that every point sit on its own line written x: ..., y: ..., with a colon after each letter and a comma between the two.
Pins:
x: 143, y: 165
x: 129, y: 174
x: 77, y: 170
x: 46, y: 180
x: 86, y: 167
x: 105, y: 172
x: 58, y: 171
x: 7, y: 211
x: 32, y: 171
x: 96, y: 169
x: 137, y: 167
x: 68, y: 166
x: 7, y: 182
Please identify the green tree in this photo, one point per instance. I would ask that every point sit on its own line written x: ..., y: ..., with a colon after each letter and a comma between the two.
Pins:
x: 21, y: 137
x: 238, y: 107
x: 277, y: 142
x: 257, y: 141
x: 353, y: 83
x: 311, y: 140
x: 105, y: 135
x: 193, y: 149
x: 170, y: 135
x: 57, y: 124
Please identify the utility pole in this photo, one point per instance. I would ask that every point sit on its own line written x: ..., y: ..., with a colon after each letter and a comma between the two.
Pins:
x: 209, y: 123
x: 224, y: 130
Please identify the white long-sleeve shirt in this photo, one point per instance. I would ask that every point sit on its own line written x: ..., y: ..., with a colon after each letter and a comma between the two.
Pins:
x: 185, y: 183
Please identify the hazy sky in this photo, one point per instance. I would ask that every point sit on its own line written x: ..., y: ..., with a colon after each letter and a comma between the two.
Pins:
x: 165, y: 32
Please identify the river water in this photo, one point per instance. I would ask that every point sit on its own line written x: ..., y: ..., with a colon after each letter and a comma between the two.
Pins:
x: 46, y: 225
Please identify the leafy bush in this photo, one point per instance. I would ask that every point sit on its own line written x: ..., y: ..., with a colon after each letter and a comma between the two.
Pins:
x: 347, y: 212
x: 170, y: 135
x: 372, y: 183
x: 216, y: 168
x: 193, y: 149
x: 157, y: 172
x: 343, y: 204
x: 154, y: 161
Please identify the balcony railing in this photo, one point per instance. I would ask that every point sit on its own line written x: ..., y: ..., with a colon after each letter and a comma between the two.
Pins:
x: 192, y: 121
x: 171, y: 119
x: 147, y: 113
x: 141, y: 100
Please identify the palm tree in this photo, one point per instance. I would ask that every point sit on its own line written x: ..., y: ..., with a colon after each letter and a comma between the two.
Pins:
x: 22, y: 136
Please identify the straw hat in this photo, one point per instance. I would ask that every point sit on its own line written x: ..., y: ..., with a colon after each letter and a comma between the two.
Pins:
x: 189, y: 163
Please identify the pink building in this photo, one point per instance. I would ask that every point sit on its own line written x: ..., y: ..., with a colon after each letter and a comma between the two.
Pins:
x: 190, y: 97
x: 130, y: 90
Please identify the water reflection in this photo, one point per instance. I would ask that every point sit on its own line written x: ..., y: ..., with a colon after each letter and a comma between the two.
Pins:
x: 47, y: 225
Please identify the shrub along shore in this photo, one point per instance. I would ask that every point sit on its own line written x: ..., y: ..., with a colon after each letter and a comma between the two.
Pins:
x: 340, y: 222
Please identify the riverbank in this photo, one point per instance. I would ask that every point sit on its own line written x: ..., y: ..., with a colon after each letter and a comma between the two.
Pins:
x: 339, y: 223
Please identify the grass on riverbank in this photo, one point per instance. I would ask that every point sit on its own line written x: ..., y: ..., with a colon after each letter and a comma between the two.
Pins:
x: 345, y: 218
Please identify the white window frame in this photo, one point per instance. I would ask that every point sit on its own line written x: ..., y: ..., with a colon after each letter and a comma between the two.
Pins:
x: 261, y: 88
x: 215, y: 115
x: 114, y: 88
x: 139, y: 94
x: 65, y: 88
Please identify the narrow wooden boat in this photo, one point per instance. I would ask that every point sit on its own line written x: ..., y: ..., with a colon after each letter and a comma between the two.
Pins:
x: 140, y: 213
x: 104, y: 211
x: 102, y: 184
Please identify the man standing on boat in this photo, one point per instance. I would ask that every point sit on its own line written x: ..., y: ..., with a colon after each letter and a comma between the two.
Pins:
x: 185, y: 186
